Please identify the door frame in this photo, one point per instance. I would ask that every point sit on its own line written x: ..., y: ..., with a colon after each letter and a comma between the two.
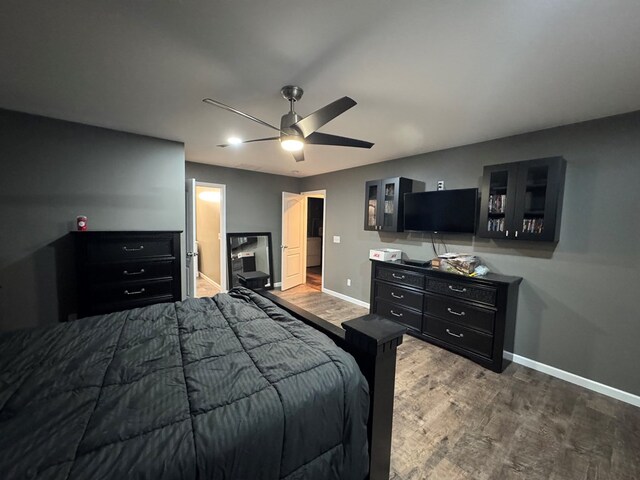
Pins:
x: 223, y: 230
x: 223, y: 226
x: 316, y: 194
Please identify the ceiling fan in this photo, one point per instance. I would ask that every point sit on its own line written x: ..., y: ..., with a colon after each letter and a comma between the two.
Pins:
x: 295, y: 130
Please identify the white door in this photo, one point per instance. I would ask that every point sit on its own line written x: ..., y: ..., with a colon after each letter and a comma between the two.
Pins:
x: 293, y: 227
x: 191, y: 261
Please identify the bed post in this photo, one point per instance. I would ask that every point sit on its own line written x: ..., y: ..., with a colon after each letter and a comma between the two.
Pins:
x: 373, y: 341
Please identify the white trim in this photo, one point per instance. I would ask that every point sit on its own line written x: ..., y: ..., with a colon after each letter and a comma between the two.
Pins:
x: 223, y: 229
x: 345, y: 297
x: 277, y: 284
x: 210, y: 281
x: 319, y: 194
x: 575, y: 379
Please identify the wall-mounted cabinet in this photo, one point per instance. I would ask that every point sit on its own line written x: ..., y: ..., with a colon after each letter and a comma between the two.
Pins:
x: 384, y: 204
x: 523, y: 200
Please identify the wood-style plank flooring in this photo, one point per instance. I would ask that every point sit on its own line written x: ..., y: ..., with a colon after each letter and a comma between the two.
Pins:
x: 314, y: 277
x: 456, y: 420
x: 205, y: 289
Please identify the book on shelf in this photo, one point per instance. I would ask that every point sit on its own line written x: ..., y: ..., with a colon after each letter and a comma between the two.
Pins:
x: 496, y: 225
x: 533, y: 225
x: 497, y: 203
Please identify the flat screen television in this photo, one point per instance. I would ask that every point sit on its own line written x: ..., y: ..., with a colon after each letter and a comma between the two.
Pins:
x: 446, y: 211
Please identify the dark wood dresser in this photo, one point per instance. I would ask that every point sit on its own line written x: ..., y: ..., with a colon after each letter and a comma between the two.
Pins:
x: 123, y: 270
x: 471, y: 316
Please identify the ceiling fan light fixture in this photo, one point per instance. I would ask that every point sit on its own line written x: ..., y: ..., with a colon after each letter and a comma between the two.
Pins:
x: 292, y: 144
x: 234, y: 141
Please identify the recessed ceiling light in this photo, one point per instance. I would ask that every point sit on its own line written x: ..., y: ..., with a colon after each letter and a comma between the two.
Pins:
x: 234, y: 140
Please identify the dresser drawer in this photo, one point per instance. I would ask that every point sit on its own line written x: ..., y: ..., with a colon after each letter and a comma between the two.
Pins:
x: 131, y: 291
x: 122, y: 272
x: 399, y: 314
x: 133, y: 248
x: 403, y: 277
x: 399, y: 295
x: 458, y: 336
x: 461, y: 313
x: 462, y: 290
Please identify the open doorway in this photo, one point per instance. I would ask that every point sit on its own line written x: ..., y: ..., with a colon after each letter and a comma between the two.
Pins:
x: 315, y: 239
x: 303, y: 239
x: 206, y: 231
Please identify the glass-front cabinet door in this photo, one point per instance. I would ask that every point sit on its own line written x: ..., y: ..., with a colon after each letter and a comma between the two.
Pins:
x: 539, y: 189
x: 390, y: 206
x: 498, y: 201
x: 371, y: 210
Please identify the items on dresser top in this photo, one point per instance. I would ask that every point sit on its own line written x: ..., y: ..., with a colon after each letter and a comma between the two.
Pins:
x: 459, y: 263
x: 385, y: 254
x: 472, y: 316
x: 123, y: 270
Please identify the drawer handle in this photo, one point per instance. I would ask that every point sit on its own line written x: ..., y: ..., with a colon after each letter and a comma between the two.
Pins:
x: 457, y: 289
x: 396, y: 314
x: 399, y: 277
x: 453, y: 312
x: 127, y: 292
x: 396, y: 296
x: 455, y: 334
x: 133, y: 273
x: 127, y: 249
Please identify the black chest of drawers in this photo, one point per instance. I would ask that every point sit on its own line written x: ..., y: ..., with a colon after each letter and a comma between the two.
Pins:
x: 474, y: 317
x: 123, y: 270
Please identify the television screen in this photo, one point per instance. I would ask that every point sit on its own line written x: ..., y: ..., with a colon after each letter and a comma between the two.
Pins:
x: 450, y: 211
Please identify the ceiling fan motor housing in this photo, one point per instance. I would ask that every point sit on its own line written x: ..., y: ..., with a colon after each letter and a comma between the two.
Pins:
x: 291, y: 92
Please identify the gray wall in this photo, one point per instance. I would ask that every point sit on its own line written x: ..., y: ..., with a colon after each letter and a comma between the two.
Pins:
x: 52, y: 171
x: 254, y: 200
x: 578, y: 307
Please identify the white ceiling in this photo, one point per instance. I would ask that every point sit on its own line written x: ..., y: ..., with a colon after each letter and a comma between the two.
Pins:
x: 426, y: 74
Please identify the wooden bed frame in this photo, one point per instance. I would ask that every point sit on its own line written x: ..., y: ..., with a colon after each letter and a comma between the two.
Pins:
x: 372, y: 340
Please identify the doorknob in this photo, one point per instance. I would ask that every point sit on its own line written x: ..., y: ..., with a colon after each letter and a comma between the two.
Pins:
x: 283, y: 246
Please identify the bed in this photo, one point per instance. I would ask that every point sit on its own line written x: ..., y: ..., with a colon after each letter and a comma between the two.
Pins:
x: 230, y: 387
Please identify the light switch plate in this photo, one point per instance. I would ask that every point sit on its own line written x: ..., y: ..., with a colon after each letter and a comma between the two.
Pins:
x: 336, y: 239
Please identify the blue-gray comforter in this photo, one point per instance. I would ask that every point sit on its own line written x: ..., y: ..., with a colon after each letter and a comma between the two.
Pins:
x: 229, y: 387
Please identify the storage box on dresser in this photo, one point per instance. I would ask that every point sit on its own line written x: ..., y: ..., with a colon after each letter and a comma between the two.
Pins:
x: 122, y: 270
x: 474, y: 317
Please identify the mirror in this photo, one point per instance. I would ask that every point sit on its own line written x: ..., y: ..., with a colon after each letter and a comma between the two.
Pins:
x: 249, y: 252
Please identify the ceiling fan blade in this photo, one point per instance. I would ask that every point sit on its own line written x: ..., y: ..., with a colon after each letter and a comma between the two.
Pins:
x: 215, y: 103
x: 299, y: 155
x: 248, y: 141
x: 317, y: 119
x: 317, y: 138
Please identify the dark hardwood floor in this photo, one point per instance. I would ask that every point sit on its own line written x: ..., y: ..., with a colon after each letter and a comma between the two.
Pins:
x: 314, y: 277
x: 456, y: 420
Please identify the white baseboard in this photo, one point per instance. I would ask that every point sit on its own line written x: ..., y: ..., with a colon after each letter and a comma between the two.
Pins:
x: 209, y: 280
x: 345, y: 297
x: 575, y: 379
x: 277, y: 284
